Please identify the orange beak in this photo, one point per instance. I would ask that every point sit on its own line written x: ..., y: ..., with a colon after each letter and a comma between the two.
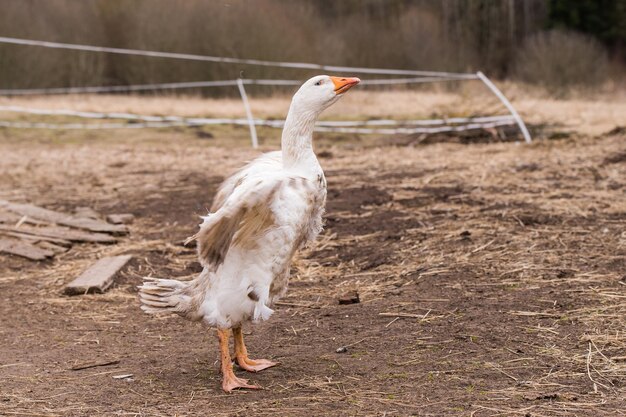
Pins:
x: 344, y: 84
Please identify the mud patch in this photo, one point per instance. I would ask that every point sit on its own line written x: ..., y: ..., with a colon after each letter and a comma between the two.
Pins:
x: 354, y: 199
x: 616, y: 158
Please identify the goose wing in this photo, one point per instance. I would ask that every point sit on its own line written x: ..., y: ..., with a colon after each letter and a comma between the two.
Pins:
x: 246, y: 213
x: 268, y: 162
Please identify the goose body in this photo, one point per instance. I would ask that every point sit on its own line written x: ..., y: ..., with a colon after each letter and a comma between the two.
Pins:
x: 260, y: 217
x: 280, y: 211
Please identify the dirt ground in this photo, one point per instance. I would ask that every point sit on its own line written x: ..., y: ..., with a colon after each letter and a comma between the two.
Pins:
x: 492, y: 280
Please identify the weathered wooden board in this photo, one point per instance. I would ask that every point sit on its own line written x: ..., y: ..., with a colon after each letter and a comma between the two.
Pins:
x: 13, y: 218
x: 7, y: 217
x: 62, y: 233
x: 87, y: 213
x: 98, y: 277
x: 35, y: 238
x: 124, y: 218
x: 94, y: 225
x: 56, y: 249
x: 25, y: 250
x: 63, y: 218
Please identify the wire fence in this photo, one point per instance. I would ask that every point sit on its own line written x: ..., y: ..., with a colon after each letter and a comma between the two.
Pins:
x: 206, y: 84
x: 318, y: 128
x: 135, y: 121
x: 228, y: 60
x: 146, y: 121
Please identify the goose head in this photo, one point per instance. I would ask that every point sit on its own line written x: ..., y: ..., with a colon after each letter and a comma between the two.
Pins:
x: 321, y: 91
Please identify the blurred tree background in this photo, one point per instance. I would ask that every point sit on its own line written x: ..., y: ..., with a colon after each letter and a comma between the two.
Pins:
x: 556, y: 43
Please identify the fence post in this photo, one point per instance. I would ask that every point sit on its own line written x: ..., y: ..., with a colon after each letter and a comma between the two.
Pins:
x: 244, y: 97
x: 507, y: 104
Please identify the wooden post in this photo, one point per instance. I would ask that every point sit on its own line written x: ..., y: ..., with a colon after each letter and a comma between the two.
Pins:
x: 244, y: 97
x: 507, y: 104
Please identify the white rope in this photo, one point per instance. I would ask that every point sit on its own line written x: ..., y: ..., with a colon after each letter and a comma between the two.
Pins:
x: 139, y: 87
x: 201, y: 84
x: 414, y: 130
x: 257, y: 122
x: 89, y: 115
x: 495, y: 90
x: 421, y: 122
x: 400, y: 130
x: 246, y: 105
x: 115, y: 88
x: 87, y: 126
x: 145, y: 121
x: 225, y: 60
x: 414, y: 80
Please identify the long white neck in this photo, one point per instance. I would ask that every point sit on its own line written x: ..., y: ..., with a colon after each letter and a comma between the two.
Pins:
x: 297, y: 139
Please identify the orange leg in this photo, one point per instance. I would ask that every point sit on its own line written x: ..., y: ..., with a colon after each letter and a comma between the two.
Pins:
x: 241, y: 354
x: 229, y: 380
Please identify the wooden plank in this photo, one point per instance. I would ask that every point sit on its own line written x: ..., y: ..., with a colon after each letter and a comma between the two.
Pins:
x: 122, y: 218
x: 87, y: 213
x: 62, y: 233
x: 12, y: 218
x: 52, y: 247
x: 7, y: 217
x: 98, y: 277
x: 63, y: 218
x: 95, y: 225
x: 25, y: 250
x: 33, y: 238
x: 34, y: 211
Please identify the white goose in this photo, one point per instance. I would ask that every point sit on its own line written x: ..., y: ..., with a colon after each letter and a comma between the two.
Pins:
x: 260, y: 217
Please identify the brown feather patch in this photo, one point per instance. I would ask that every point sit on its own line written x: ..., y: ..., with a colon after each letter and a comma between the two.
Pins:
x: 219, y: 199
x: 213, y: 242
x: 254, y: 222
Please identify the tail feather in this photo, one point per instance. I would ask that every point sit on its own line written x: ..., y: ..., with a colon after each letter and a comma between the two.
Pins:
x: 164, y: 296
x: 262, y: 312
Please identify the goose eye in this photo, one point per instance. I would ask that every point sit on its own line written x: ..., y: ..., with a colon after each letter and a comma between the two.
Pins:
x: 319, y: 82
